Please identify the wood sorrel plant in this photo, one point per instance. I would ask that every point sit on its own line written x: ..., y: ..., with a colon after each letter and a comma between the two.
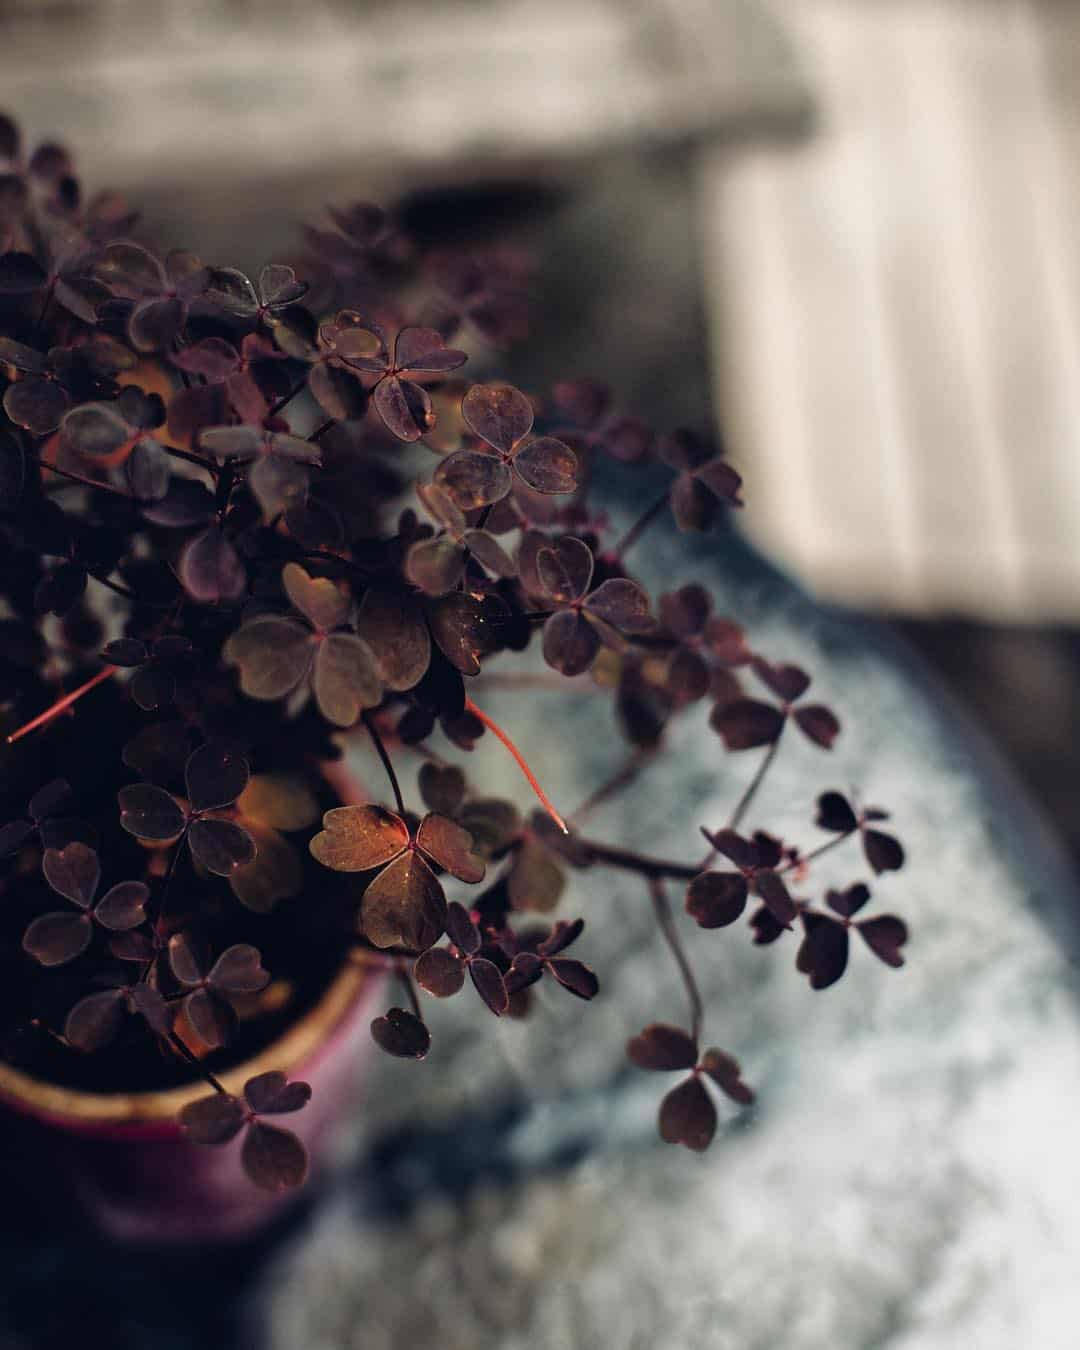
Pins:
x: 210, y: 585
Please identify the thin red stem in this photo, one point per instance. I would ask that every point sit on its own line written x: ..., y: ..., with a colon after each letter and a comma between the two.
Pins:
x: 520, y: 760
x: 61, y: 704
x: 634, y: 533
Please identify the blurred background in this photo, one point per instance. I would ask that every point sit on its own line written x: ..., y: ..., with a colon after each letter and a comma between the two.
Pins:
x: 841, y: 231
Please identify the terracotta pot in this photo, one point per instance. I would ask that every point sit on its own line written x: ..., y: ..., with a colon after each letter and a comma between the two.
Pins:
x: 136, y: 1174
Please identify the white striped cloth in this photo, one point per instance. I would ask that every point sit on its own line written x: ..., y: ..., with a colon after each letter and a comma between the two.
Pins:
x: 896, y: 309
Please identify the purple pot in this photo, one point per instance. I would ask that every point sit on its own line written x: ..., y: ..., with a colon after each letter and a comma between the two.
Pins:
x: 134, y: 1171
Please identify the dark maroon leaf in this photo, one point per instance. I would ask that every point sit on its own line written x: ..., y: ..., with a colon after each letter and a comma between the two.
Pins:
x: 123, y: 906
x: 392, y: 624
x: 215, y: 775
x: 574, y: 976
x: 221, y: 846
x: 442, y: 787
x: 849, y: 901
x: 688, y: 1116
x: 724, y: 1070
x: 274, y: 1159
x: 662, y: 1047
x: 547, y: 465
x: 766, y: 927
x: 770, y: 887
x: 400, y: 1033
x: 498, y: 413
x: 150, y: 1006
x: 447, y: 844
x: 238, y: 970
x: 823, y: 954
x: 210, y: 568
x: 405, y: 408
x: 747, y: 724
x: 565, y: 569
x: 187, y: 959
x: 732, y: 845
x: 270, y: 1094
x: 36, y: 404
x: 716, y: 899
x: 524, y: 971
x: 819, y: 724
x: 570, y: 643
x: 212, y: 1019
x: 125, y: 652
x: 460, y: 629
x: 883, y: 852
x: 786, y: 682
x: 158, y: 752
x: 55, y: 939
x: 13, y: 836
x: 562, y: 935
x: 404, y: 906
x: 215, y: 1119
x: 835, y: 812
x: 95, y: 1020
x: 473, y: 480
x: 440, y: 972
x: 885, y: 936
x: 94, y: 429
x: 461, y: 930
x: 488, y: 981
x: 150, y: 813
x: 73, y: 872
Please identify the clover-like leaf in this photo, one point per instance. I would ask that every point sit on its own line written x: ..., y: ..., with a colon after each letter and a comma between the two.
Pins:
x: 359, y: 838
x: 215, y: 775
x: 688, y: 1116
x: 214, y: 1120
x: 716, y: 899
x: 271, y: 1094
x: 73, y: 872
x: 404, y: 905
x: 662, y: 1047
x: 221, y: 846
x: 149, y: 812
x: 402, y: 1034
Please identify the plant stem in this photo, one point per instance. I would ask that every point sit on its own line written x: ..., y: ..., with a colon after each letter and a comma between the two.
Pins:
x: 55, y: 709
x: 815, y: 853
x: 520, y: 760
x: 86, y: 482
x: 410, y: 991
x: 178, y: 1044
x: 666, y: 920
x: 634, y: 533
x: 285, y: 399
x: 376, y: 740
x: 627, y: 860
x: 200, y: 460
x: 745, y: 801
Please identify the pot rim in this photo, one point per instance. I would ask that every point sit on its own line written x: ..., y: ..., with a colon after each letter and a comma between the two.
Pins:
x: 300, y: 1045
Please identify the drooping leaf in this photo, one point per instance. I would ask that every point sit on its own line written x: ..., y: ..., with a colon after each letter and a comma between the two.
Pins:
x: 95, y: 1020
x: 688, y: 1116
x: 213, y: 1120
x: 404, y: 905
x: 402, y: 1034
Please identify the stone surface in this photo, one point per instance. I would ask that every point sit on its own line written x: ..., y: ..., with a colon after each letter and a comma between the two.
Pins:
x: 907, y: 1177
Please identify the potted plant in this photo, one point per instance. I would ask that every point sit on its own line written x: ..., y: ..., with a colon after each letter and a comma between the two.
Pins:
x: 245, y: 520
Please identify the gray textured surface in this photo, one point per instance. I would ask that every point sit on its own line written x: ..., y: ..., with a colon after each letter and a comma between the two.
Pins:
x: 907, y: 1177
